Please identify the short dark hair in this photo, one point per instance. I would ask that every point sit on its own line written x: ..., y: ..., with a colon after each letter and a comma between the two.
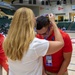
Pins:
x: 42, y: 21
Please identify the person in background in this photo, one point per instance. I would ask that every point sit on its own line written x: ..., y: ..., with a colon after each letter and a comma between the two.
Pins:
x: 3, y: 58
x: 57, y: 63
x: 23, y: 49
x: 63, y: 28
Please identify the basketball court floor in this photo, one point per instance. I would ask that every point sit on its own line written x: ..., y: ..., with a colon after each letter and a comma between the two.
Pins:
x: 71, y: 67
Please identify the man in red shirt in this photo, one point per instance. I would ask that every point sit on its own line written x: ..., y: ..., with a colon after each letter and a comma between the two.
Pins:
x: 3, y: 59
x: 57, y: 63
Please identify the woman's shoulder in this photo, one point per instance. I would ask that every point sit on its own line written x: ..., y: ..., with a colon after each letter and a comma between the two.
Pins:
x: 37, y: 41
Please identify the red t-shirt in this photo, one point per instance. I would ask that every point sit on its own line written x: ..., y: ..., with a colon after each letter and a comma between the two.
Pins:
x: 57, y: 58
x: 1, y: 41
x: 3, y: 58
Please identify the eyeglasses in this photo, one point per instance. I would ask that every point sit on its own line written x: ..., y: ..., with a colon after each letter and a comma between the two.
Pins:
x: 45, y: 15
x: 46, y: 34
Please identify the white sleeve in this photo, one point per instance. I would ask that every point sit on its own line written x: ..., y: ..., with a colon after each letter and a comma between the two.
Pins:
x: 42, y: 47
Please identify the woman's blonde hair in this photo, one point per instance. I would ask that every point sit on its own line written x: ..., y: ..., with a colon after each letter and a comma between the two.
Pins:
x: 20, y: 34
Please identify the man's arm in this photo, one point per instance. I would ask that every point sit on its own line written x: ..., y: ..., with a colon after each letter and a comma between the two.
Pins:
x: 67, y: 58
x: 43, y: 72
x: 0, y: 70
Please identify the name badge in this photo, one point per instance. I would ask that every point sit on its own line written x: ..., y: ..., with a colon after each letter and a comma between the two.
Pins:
x: 48, y: 60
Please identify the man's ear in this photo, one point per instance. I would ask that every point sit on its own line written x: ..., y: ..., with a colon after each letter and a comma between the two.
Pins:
x: 51, y: 28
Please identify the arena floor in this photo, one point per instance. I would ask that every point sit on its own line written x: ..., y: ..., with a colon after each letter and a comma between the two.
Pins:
x: 71, y: 67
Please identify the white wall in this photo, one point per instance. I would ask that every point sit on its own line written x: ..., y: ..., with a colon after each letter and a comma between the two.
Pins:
x: 66, y: 8
x: 55, y: 9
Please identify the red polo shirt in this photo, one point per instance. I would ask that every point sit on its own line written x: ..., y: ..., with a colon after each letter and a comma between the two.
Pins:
x: 57, y: 58
x: 3, y: 59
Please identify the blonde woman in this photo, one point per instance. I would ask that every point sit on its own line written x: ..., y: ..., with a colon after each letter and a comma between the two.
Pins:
x: 23, y: 49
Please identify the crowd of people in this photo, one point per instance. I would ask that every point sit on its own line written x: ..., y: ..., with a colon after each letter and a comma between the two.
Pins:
x: 4, y: 22
x: 35, y: 46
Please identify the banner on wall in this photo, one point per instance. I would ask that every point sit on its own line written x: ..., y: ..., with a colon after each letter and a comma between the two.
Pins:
x: 41, y: 8
x: 60, y: 8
